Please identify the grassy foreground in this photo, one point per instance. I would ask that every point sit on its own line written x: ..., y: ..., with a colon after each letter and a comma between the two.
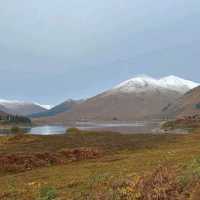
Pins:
x: 90, y: 165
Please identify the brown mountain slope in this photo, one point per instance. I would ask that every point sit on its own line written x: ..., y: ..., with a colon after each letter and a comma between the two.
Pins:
x: 189, y: 104
x: 138, y: 98
x: 2, y: 113
x: 121, y: 106
x: 66, y: 106
x: 3, y: 110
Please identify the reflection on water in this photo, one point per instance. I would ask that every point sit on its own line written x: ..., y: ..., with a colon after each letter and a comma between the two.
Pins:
x: 104, y: 125
x: 51, y: 130
x: 47, y: 130
x: 38, y: 130
x: 136, y: 127
x: 123, y: 127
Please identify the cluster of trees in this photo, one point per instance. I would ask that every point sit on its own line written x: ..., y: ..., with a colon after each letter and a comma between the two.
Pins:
x: 15, y: 119
x: 198, y: 106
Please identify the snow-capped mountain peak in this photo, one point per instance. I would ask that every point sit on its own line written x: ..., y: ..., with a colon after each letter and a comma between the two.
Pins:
x: 136, y: 84
x: 10, y: 104
x: 48, y: 107
x: 178, y: 83
x: 22, y: 107
x: 145, y: 83
x: 5, y: 102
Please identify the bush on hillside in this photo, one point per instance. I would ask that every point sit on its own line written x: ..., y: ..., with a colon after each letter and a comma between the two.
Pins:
x: 48, y: 193
x: 197, y: 106
x: 169, y: 125
x: 72, y: 131
x: 17, y: 132
x: 16, y: 129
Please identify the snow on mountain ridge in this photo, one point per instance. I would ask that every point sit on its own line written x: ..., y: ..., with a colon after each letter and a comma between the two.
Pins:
x: 145, y: 83
x: 15, y: 103
x: 4, y: 101
x: 173, y: 81
x: 48, y: 107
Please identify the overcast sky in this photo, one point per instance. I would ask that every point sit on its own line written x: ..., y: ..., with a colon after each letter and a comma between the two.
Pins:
x: 53, y: 50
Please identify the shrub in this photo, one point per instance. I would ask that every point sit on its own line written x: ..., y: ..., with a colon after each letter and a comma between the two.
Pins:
x: 191, y: 172
x: 115, y: 118
x: 18, y: 133
x: 73, y: 131
x: 16, y: 130
x: 168, y: 125
x: 197, y: 106
x: 48, y: 193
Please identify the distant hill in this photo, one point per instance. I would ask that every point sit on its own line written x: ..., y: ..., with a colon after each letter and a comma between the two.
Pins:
x: 2, y: 113
x: 3, y: 110
x: 20, y: 108
x: 135, y: 99
x: 188, y: 104
x: 66, y: 106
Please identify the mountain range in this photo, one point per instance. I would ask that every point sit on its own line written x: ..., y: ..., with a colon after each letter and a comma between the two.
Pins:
x: 139, y: 98
x: 21, y: 108
x: 146, y: 83
x: 66, y: 106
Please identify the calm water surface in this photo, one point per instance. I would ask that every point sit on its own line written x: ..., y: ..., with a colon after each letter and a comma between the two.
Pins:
x: 47, y: 130
x: 136, y: 127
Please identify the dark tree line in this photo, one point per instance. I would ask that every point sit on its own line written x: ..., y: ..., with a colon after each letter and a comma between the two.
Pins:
x: 15, y: 119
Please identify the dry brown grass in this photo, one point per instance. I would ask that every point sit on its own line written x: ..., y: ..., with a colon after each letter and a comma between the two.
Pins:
x: 22, y: 162
x: 161, y: 185
x: 104, y: 166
